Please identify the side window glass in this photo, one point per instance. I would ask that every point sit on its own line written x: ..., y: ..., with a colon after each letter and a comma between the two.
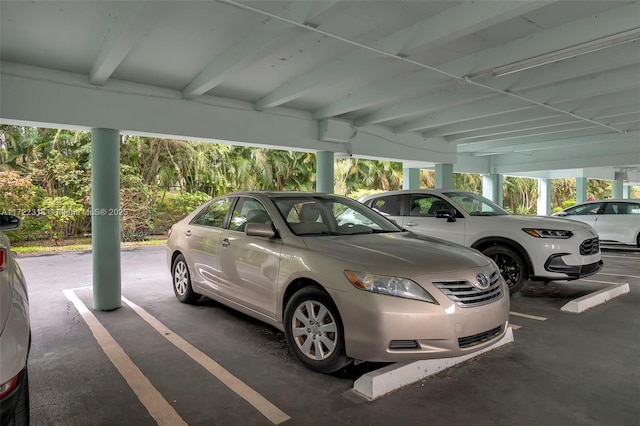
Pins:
x: 633, y: 209
x: 388, y: 206
x: 587, y: 209
x: 214, y: 214
x: 247, y: 210
x: 424, y: 205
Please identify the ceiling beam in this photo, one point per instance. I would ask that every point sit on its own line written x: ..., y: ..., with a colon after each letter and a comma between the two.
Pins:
x: 236, y: 56
x: 132, y: 23
x: 566, y: 96
x: 621, y: 18
x: 448, y: 25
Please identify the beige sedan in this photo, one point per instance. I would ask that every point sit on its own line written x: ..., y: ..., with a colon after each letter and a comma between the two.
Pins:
x: 339, y: 279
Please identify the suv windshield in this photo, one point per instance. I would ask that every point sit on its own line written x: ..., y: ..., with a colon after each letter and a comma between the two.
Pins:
x: 475, y: 205
x: 330, y: 215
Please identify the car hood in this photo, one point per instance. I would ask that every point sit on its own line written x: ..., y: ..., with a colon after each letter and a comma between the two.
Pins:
x: 542, y: 222
x: 403, y: 253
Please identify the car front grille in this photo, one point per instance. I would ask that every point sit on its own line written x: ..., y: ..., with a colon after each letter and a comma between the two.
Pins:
x: 465, y: 294
x: 476, y: 339
x: 590, y: 246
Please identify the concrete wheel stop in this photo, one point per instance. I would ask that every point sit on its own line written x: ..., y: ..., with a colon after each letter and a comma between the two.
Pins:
x: 385, y: 380
x: 583, y: 303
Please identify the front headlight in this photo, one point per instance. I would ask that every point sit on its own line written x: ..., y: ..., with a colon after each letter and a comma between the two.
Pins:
x: 392, y: 286
x: 548, y: 233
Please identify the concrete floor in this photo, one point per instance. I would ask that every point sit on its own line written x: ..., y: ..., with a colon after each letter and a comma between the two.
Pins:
x: 568, y: 369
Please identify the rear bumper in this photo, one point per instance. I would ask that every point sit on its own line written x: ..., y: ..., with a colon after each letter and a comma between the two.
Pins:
x: 8, y: 404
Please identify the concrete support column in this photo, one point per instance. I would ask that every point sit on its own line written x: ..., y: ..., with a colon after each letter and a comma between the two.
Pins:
x: 105, y: 219
x: 626, y: 192
x: 324, y: 172
x: 581, y: 189
x: 444, y: 176
x: 492, y: 188
x: 410, y: 178
x: 617, y: 187
x: 544, y: 197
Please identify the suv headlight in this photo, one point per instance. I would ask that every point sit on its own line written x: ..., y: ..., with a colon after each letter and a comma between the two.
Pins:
x: 548, y: 233
x: 391, y: 286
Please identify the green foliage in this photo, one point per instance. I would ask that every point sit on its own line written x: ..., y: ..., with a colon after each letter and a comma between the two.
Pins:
x: 363, y: 193
x: 61, y: 214
x: 137, y: 203
x: 566, y: 204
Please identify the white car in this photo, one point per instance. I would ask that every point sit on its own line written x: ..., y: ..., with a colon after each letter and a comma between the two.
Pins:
x: 15, y: 333
x: 615, y: 221
x: 524, y: 247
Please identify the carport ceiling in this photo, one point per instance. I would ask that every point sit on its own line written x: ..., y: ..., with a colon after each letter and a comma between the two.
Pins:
x: 507, y: 86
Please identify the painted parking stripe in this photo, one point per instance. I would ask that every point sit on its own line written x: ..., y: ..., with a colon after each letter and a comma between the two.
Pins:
x: 630, y: 256
x: 619, y: 275
x: 533, y: 317
x: 158, y: 407
x: 599, y: 282
x: 266, y: 408
x: 515, y: 327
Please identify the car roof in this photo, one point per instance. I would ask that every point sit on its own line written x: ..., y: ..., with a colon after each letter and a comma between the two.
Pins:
x: 417, y: 191
x: 610, y: 200
x: 280, y: 194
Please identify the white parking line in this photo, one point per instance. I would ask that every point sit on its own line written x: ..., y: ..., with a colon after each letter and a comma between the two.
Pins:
x: 158, y: 407
x: 533, y: 317
x: 599, y: 282
x: 619, y: 257
x: 619, y: 275
x: 515, y: 327
x: 266, y: 408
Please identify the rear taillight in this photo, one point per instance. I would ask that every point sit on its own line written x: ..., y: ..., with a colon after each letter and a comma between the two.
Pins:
x: 169, y: 233
x: 8, y: 387
x: 3, y: 259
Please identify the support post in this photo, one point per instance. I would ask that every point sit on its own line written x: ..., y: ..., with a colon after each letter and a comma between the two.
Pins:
x: 105, y: 218
x: 617, y: 187
x: 444, y: 176
x: 410, y: 178
x: 544, y: 197
x: 324, y: 172
x: 581, y: 189
x: 492, y: 188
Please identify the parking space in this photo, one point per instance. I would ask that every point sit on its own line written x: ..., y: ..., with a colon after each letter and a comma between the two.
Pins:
x: 157, y: 361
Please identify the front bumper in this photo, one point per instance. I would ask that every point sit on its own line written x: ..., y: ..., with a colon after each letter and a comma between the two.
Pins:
x: 556, y: 264
x: 383, y: 328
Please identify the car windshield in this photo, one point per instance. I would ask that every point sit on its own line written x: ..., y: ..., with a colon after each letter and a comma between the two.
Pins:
x: 330, y: 215
x: 475, y: 205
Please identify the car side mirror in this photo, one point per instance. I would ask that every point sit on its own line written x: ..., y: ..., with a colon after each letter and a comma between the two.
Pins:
x: 8, y: 222
x: 445, y: 213
x: 264, y: 230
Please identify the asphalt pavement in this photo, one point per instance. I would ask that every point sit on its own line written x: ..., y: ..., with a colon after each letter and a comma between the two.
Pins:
x: 561, y: 369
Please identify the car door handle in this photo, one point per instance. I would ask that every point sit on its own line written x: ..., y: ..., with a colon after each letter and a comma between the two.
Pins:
x: 410, y: 224
x: 188, y: 233
x: 226, y: 242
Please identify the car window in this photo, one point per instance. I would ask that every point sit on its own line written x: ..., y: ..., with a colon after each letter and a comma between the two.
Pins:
x: 247, y: 210
x: 214, y: 214
x: 318, y: 215
x: 427, y: 205
x: 622, y: 208
x: 388, y: 205
x: 585, y: 209
x: 475, y: 205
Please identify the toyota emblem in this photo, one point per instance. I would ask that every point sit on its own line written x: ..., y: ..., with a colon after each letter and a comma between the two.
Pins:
x: 483, y: 281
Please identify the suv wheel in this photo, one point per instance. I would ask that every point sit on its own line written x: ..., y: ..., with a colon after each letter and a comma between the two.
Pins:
x: 511, y: 265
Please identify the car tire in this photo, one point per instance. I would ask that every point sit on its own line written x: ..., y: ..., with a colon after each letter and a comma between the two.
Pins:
x: 512, y: 267
x: 182, y: 281
x: 314, y: 331
x: 21, y: 414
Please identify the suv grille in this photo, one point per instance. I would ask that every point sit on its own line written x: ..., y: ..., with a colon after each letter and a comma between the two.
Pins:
x: 590, y: 246
x: 466, y: 294
x: 476, y: 339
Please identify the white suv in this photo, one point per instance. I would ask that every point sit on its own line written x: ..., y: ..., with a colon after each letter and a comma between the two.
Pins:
x: 15, y: 333
x: 524, y: 247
